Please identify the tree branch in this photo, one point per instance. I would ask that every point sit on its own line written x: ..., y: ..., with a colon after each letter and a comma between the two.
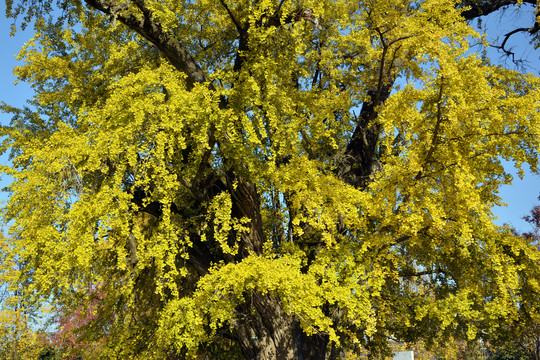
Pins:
x: 151, y: 29
x: 233, y: 19
x: 425, y: 272
x: 434, y: 140
x: 487, y: 7
x: 507, y: 36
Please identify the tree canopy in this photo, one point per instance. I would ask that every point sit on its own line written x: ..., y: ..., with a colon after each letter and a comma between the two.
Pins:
x: 268, y: 179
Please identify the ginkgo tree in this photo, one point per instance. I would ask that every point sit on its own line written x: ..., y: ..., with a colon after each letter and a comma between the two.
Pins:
x: 267, y: 179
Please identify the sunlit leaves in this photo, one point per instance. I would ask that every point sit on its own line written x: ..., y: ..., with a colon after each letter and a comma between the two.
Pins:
x: 152, y: 187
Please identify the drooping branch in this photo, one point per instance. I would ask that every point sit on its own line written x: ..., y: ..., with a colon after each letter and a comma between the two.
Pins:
x: 204, y: 184
x: 244, y: 196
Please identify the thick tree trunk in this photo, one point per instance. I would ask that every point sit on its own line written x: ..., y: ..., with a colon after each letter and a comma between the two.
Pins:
x: 266, y: 332
x: 246, y: 204
x: 360, y: 154
x: 263, y: 329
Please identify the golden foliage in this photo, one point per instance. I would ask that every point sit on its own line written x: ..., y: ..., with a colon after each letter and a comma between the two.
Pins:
x: 185, y: 197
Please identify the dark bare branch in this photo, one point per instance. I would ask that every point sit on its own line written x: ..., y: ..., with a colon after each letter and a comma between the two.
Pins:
x: 421, y: 273
x: 507, y: 37
x: 487, y: 7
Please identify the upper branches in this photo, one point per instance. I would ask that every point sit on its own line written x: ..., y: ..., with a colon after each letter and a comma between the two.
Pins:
x: 503, y: 46
x: 482, y: 8
x: 150, y: 28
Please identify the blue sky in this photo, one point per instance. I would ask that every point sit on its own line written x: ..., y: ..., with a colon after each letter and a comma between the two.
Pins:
x: 520, y: 197
x: 523, y: 194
